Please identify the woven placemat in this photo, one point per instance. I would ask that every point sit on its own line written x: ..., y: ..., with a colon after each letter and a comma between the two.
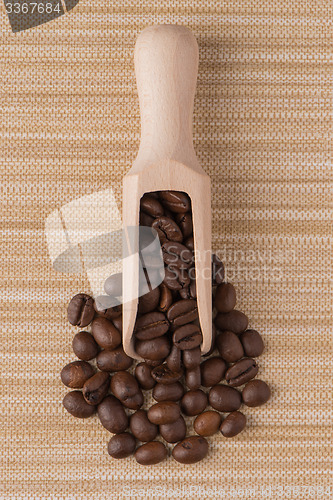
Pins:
x: 262, y: 129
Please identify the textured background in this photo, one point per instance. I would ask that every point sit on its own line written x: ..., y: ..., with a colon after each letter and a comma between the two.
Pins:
x: 262, y: 125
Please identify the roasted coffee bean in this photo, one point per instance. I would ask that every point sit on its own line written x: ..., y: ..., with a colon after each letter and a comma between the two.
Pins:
x: 75, y: 374
x: 121, y: 445
x: 252, y: 343
x: 164, y: 412
x: 234, y: 321
x: 229, y: 346
x: 113, y: 361
x: 154, y: 350
x: 207, y: 423
x: 153, y: 364
x: 256, y: 393
x: 145, y: 219
x: 96, y: 388
x: 241, y: 372
x: 113, y: 285
x: 225, y: 297
x: 143, y: 376
x: 105, y: 333
x: 217, y: 270
x: 191, y: 450
x: 172, y: 392
x: 118, y: 323
x: 175, y: 201
x: 193, y: 378
x: 189, y: 243
x: 112, y: 415
x: 149, y: 301
x: 233, y: 424
x: 151, y: 453
x: 163, y: 375
x: 142, y: 428
x: 126, y: 388
x: 185, y: 293
x: 151, y: 206
x: 191, y: 358
x: 167, y: 229
x: 165, y: 298
x: 212, y: 371
x: 187, y: 336
x: 84, y: 346
x: 101, y: 306
x: 81, y: 310
x: 172, y: 433
x: 182, y: 312
x: 77, y: 406
x: 193, y: 402
x: 213, y: 345
x: 175, y: 278
x: 151, y: 325
x: 176, y: 255
x: 224, y: 398
x: 174, y: 361
x: 184, y: 221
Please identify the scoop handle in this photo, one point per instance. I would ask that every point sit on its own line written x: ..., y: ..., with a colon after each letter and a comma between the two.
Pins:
x: 166, y: 66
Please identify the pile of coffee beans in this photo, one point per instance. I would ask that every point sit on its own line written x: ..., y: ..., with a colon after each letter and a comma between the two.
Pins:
x: 168, y: 337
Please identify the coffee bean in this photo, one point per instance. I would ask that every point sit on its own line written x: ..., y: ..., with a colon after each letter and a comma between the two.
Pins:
x: 77, y: 406
x: 172, y: 433
x: 118, y: 323
x: 174, y: 361
x: 151, y: 453
x: 229, y: 346
x: 193, y: 402
x: 163, y: 375
x: 143, y: 376
x: 164, y: 412
x: 217, y: 270
x: 193, y: 378
x: 153, y: 364
x: 145, y: 219
x: 252, y: 343
x: 81, y: 310
x: 126, y: 388
x: 84, y: 346
x: 234, y: 321
x: 142, y: 428
x: 182, y: 312
x: 112, y: 415
x: 185, y: 293
x: 121, y: 445
x: 256, y: 393
x: 224, y: 398
x: 207, y: 423
x: 75, y: 374
x: 151, y: 325
x: 167, y: 229
x: 156, y: 349
x: 176, y: 255
x: 151, y: 206
x: 113, y: 361
x: 172, y: 392
x: 113, y: 285
x: 189, y: 243
x: 191, y: 358
x: 241, y: 372
x: 165, y: 298
x: 105, y: 333
x: 187, y: 337
x: 101, y: 306
x: 175, y: 201
x: 149, y: 301
x: 233, y: 424
x: 212, y: 371
x: 184, y: 221
x: 96, y: 388
x: 191, y: 450
x: 176, y: 279
x: 225, y: 297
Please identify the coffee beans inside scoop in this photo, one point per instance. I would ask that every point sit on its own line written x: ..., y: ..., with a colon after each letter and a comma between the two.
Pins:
x: 209, y: 389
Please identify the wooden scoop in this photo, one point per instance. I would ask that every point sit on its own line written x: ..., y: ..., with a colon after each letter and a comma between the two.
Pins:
x: 166, y: 65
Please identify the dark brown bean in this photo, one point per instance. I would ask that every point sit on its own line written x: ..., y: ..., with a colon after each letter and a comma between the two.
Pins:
x: 151, y: 325
x: 225, y: 297
x: 241, y: 372
x: 77, y: 406
x: 121, y: 445
x: 84, y: 346
x: 191, y: 358
x: 142, y: 428
x: 176, y: 279
x: 187, y: 336
x: 143, y: 376
x: 154, y: 350
x: 176, y: 255
x: 145, y: 219
x: 172, y: 392
x: 212, y: 371
x: 193, y: 378
x: 207, y: 423
x: 174, y: 361
x: 153, y: 364
x: 224, y: 398
x: 75, y: 374
x: 106, y: 312
x: 235, y: 321
x: 175, y: 201
x: 149, y: 301
x: 234, y: 423
x: 96, y: 388
x: 151, y: 453
x: 112, y: 415
x: 118, y: 323
x: 164, y: 412
x: 191, y: 450
x: 184, y: 221
x: 189, y: 243
x: 256, y: 393
x: 229, y: 346
x: 126, y: 388
x: 167, y: 229
x: 163, y: 375
x: 252, y: 343
x: 105, y: 333
x: 165, y: 298
x: 113, y: 361
x: 172, y: 433
x: 151, y: 206
x: 81, y: 310
x: 193, y: 402
x: 182, y: 312
x: 217, y: 270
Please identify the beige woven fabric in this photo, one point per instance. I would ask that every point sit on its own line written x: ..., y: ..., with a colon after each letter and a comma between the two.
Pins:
x: 262, y: 128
